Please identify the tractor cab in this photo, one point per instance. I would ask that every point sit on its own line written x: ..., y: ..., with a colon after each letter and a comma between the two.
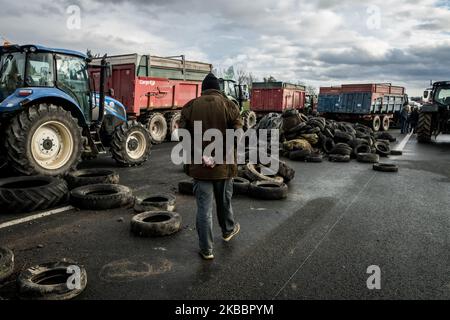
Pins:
x: 238, y: 93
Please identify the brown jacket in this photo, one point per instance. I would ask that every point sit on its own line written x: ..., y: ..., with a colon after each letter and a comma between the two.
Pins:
x: 215, y: 111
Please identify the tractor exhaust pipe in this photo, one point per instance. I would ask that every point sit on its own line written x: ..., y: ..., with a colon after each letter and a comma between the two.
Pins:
x: 103, y: 70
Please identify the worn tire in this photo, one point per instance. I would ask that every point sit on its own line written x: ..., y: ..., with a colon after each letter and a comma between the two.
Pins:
x: 186, y: 187
x: 376, y: 123
x: 339, y: 158
x: 28, y: 194
x: 385, y: 167
x: 268, y: 190
x: 254, y: 175
x: 128, y: 138
x: 249, y: 119
x: 32, y: 282
x: 157, y: 202
x: 299, y: 155
x: 101, y: 196
x: 156, y: 125
x: 86, y: 177
x: 240, y: 186
x: 424, y: 127
x: 286, y: 172
x: 396, y: 152
x: 368, y: 157
x: 6, y: 264
x: 314, y: 158
x: 385, y: 123
x: 20, y: 132
x: 173, y: 121
x: 342, y: 149
x: 155, y: 224
x: 383, y: 149
x: 362, y: 148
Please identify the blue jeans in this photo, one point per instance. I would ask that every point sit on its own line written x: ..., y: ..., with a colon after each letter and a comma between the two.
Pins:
x: 404, y: 125
x: 222, y: 191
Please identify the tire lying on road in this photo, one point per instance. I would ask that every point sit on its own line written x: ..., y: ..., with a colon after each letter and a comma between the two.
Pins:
x: 254, y: 174
x: 50, y: 281
x: 27, y: 194
x: 299, y: 155
x: 342, y: 148
x: 383, y: 149
x: 85, y: 177
x: 158, y: 202
x: 6, y: 263
x: 101, y: 196
x: 385, y: 167
x: 240, y: 185
x: 362, y: 148
x: 286, y: 172
x: 316, y: 158
x: 338, y: 158
x: 268, y: 190
x: 186, y: 187
x: 155, y: 224
x: 396, y: 152
x: 368, y: 157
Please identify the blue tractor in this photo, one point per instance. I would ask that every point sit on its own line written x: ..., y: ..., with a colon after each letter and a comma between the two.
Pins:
x: 52, y: 116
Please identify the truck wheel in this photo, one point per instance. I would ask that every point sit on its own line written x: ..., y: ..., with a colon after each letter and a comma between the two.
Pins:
x: 44, y: 140
x: 376, y: 124
x: 173, y: 120
x: 156, y: 124
x: 249, y: 118
x: 386, y: 123
x: 27, y: 194
x: 424, y: 129
x: 131, y: 144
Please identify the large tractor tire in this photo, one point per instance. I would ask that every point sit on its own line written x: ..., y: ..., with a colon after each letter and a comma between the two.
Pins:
x: 424, y: 128
x: 173, y: 121
x: 131, y: 144
x: 156, y: 124
x: 249, y: 118
x: 45, y: 139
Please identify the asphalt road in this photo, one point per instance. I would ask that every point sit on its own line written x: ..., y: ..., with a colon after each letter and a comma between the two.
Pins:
x: 338, y: 220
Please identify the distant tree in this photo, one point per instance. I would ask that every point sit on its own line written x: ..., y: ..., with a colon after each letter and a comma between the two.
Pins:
x: 270, y: 79
x: 311, y: 90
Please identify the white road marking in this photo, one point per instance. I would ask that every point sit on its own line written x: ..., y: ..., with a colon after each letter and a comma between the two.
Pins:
x: 405, y: 140
x: 34, y: 217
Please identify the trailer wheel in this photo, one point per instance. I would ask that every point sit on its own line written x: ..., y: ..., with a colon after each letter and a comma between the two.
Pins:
x: 424, y: 128
x: 131, y: 144
x: 28, y: 194
x: 173, y: 121
x: 376, y: 123
x: 386, y: 123
x: 156, y: 124
x: 44, y: 140
x: 249, y: 118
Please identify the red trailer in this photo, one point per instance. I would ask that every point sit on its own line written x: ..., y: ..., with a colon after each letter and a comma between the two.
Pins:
x: 154, y: 89
x: 270, y: 97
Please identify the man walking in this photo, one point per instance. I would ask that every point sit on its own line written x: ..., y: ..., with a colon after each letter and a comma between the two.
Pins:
x: 404, y: 114
x: 212, y: 180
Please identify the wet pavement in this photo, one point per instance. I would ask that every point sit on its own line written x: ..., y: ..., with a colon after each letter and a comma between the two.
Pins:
x: 339, y: 219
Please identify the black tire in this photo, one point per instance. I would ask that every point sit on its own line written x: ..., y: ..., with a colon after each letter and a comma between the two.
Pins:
x: 131, y: 144
x: 340, y: 136
x: 339, y: 158
x: 328, y: 145
x: 424, y: 128
x: 240, y: 186
x: 19, y: 136
x: 385, y: 167
x: 86, y: 177
x: 249, y: 118
x: 6, y: 264
x: 101, y: 196
x: 396, y: 152
x: 49, y: 282
x: 156, y: 125
x: 28, y: 194
x: 368, y: 157
x: 299, y: 155
x: 173, y: 121
x: 314, y: 158
x: 267, y: 190
x: 362, y: 148
x: 342, y: 149
x: 155, y: 224
x: 157, y: 202
x: 286, y: 172
x: 383, y: 149
x: 186, y: 187
x: 386, y: 123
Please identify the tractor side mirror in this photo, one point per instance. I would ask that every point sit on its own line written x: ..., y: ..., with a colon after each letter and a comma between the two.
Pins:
x: 111, y: 92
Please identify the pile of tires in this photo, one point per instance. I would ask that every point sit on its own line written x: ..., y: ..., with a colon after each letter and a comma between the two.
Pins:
x: 6, y: 264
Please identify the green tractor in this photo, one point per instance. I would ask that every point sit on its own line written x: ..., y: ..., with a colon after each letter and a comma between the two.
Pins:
x: 239, y: 94
x: 434, y: 118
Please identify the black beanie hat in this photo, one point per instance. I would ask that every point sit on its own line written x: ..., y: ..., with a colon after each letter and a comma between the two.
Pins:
x: 210, y: 82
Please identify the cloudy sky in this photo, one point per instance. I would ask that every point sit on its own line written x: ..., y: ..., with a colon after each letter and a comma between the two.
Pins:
x: 325, y: 42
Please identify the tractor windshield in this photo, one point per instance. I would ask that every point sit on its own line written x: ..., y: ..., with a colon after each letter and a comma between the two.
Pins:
x: 442, y: 95
x: 12, y: 70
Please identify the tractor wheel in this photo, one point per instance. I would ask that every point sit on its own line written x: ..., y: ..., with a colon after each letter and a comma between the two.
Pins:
x: 45, y: 139
x: 173, y: 121
x: 131, y: 144
x: 249, y: 118
x: 386, y: 123
x: 424, y: 128
x: 376, y: 124
x: 156, y: 124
